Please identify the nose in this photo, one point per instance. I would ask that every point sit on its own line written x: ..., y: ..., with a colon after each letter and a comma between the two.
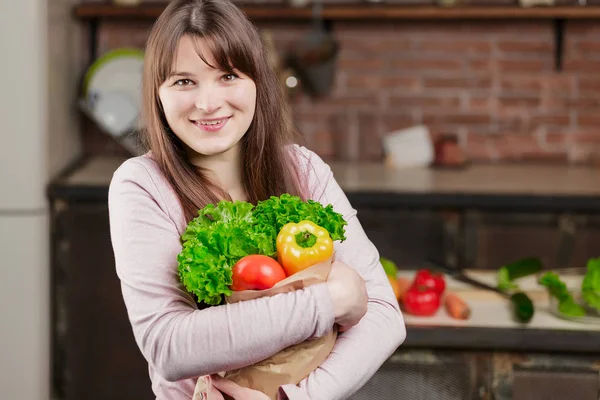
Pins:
x: 208, y: 99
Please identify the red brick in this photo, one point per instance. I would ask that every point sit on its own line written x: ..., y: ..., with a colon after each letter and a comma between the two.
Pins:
x: 475, y: 65
x: 581, y: 65
x: 471, y: 82
x: 555, y: 138
x: 479, y: 148
x: 519, y: 101
x: 563, y: 119
x: 582, y: 137
x: 457, y: 118
x: 466, y: 47
x: 481, y: 103
x: 425, y: 101
x: 365, y: 99
x: 370, y: 133
x: 402, y: 82
x: 322, y: 143
x: 583, y: 154
x: 520, y: 83
x: 363, y: 64
x: 584, y: 103
x: 559, y: 84
x: 588, y: 120
x: 393, y: 122
x: 425, y: 65
x: 365, y: 47
x: 535, y: 65
x: 525, y: 47
x: 587, y: 46
x: 524, y: 147
x: 589, y: 85
x: 371, y: 81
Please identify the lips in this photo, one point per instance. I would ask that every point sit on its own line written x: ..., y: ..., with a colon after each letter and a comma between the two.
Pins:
x: 211, y: 125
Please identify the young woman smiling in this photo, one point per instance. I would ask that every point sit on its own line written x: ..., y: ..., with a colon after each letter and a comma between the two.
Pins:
x: 217, y: 126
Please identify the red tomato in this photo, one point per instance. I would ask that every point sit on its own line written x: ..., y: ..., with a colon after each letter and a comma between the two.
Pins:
x: 431, y: 279
x: 421, y: 300
x: 256, y: 272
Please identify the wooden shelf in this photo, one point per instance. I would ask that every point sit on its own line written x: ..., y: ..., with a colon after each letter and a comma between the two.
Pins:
x: 357, y: 12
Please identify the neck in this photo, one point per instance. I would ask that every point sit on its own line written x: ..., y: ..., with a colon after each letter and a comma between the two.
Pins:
x: 225, y: 169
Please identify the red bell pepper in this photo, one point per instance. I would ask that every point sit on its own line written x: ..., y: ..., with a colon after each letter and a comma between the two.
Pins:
x: 421, y: 300
x: 431, y: 279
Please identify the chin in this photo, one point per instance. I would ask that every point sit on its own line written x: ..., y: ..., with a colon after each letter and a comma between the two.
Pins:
x: 211, y: 149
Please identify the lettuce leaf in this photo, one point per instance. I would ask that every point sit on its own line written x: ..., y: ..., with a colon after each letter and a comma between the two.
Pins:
x: 213, y: 242
x: 278, y: 211
x: 224, y: 233
x: 558, y: 289
x: 590, y: 287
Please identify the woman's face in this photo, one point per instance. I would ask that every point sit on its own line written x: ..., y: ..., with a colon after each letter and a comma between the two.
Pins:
x: 209, y: 110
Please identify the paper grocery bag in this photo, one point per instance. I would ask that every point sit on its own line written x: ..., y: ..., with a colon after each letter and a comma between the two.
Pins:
x: 293, y: 364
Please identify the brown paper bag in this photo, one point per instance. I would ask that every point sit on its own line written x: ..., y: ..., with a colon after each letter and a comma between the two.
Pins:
x: 293, y: 364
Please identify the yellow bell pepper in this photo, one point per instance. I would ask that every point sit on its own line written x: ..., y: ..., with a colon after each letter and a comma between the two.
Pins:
x: 301, y: 245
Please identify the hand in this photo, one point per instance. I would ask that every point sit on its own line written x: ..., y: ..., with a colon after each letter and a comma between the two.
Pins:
x: 348, y: 295
x: 236, y: 391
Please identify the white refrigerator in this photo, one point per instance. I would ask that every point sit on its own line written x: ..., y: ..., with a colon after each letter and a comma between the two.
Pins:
x: 26, y: 166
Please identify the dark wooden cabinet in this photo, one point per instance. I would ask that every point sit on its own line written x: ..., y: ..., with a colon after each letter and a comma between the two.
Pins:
x: 96, y: 357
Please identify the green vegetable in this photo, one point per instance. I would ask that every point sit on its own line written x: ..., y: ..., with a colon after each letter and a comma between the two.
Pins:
x: 590, y: 287
x: 224, y: 233
x: 275, y: 212
x: 389, y: 267
x: 519, y: 269
x: 522, y: 306
x: 558, y: 289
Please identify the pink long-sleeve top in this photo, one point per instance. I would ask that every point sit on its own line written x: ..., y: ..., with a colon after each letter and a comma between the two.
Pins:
x: 181, y: 342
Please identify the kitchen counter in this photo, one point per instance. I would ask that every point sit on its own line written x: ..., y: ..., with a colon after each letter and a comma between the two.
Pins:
x: 491, y: 326
x: 513, y: 187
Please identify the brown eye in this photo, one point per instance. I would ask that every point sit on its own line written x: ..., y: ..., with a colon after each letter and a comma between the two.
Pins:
x: 183, y: 82
x: 229, y: 77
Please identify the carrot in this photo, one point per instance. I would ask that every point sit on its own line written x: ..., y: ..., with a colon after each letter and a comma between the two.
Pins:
x: 400, y: 285
x: 456, y: 307
x: 403, y: 285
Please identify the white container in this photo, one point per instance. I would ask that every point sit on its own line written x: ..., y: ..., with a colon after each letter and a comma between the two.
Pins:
x: 410, y: 147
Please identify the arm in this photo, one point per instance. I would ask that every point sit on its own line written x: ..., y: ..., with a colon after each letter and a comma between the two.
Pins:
x: 359, y: 352
x: 176, y: 338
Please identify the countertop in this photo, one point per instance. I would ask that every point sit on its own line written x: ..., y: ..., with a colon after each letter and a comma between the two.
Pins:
x: 516, y: 187
x: 491, y: 325
x: 513, y: 187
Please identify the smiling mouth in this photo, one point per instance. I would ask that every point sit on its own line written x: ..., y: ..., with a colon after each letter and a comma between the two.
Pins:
x: 212, y: 124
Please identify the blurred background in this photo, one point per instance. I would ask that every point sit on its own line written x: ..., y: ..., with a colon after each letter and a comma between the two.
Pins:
x: 465, y: 133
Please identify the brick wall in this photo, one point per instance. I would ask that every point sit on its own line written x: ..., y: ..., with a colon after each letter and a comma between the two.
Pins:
x: 492, y: 83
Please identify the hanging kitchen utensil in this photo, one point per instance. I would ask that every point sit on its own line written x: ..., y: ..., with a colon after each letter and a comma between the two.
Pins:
x: 315, y: 57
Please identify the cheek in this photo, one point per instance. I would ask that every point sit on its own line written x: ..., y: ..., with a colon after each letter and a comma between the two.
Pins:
x: 175, y: 103
x: 244, y: 97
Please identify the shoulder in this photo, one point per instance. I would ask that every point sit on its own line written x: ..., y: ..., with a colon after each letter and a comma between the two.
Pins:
x: 309, y: 161
x: 315, y: 171
x: 141, y: 180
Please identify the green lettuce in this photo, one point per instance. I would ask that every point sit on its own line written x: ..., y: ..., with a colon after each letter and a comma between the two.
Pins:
x: 590, y: 287
x: 558, y: 289
x: 224, y: 233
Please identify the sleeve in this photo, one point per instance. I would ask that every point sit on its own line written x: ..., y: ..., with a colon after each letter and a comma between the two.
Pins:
x: 360, y: 351
x: 176, y: 338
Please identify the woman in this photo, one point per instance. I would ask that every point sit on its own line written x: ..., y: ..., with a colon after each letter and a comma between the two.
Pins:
x: 218, y: 127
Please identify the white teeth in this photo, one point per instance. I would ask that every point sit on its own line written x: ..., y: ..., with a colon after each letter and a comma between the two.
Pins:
x: 211, y: 122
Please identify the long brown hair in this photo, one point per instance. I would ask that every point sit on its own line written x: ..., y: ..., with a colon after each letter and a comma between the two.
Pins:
x: 269, y: 168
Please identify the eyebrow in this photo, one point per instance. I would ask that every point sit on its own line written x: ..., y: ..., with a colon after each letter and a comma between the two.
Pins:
x: 184, y: 74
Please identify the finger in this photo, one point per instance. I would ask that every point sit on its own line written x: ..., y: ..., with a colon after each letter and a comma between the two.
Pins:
x: 228, y: 387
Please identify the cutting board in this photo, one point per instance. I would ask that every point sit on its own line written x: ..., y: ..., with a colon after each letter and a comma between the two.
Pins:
x: 490, y: 310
